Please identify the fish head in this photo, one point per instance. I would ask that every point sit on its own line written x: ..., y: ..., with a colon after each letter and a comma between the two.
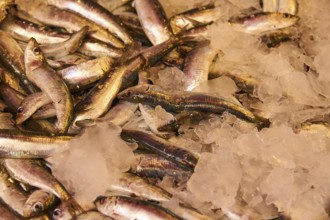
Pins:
x: 33, y: 56
x: 62, y: 212
x: 105, y: 204
x: 37, y: 202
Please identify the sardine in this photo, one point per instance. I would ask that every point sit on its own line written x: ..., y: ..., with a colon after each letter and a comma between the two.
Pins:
x: 129, y: 184
x: 197, y: 65
x: 38, y: 202
x: 167, y: 149
x: 67, y: 47
x: 153, y: 20
x: 83, y: 75
x: 13, y: 56
x: 269, y: 5
x: 113, y: 4
x: 96, y: 13
x: 203, y: 15
x: 71, y: 22
x: 11, y: 97
x: 288, y: 6
x: 11, y: 193
x: 4, y: 5
x: 45, y: 112
x: 62, y: 212
x: 120, y: 113
x: 180, y: 101
x: 96, y: 48
x: 49, y: 82
x: 30, y: 105
x: 132, y: 209
x: 6, y: 121
x: 29, y: 172
x: 11, y: 80
x: 155, y: 166
x: 262, y: 22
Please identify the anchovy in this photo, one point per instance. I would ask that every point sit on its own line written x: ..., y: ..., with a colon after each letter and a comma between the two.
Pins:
x: 53, y: 16
x: 96, y: 13
x: 200, y: 16
x: 98, y: 101
x: 67, y: 61
x: 29, y: 172
x: 13, y: 56
x: 38, y: 202
x: 120, y: 113
x: 23, y: 30
x: 197, y: 65
x: 6, y: 121
x: 288, y: 6
x: 62, y: 212
x: 96, y: 48
x: 130, y: 184
x: 22, y: 145
x: 132, y: 209
x: 49, y: 82
x: 45, y: 112
x: 67, y: 47
x: 113, y: 4
x: 30, y: 105
x: 6, y: 213
x: 262, y: 22
x: 11, y: 193
x: 11, y: 80
x: 83, y: 75
x: 155, y: 166
x: 4, y: 5
x: 167, y: 149
x: 269, y: 5
x: 180, y: 101
x: 153, y: 20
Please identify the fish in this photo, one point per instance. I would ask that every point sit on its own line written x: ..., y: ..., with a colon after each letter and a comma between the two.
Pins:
x: 82, y: 76
x: 200, y: 16
x: 38, y: 202
x: 153, y: 20
x: 4, y: 5
x: 62, y: 212
x: 12, y: 55
x: 180, y: 101
x: 53, y: 16
x: 96, y: 13
x: 11, y: 193
x: 129, y: 184
x: 182, y: 157
x: 38, y: 71
x: 288, y: 6
x: 16, y: 144
x: 67, y: 47
x: 262, y: 22
x: 11, y: 80
x: 154, y: 166
x: 269, y: 5
x: 45, y: 112
x: 132, y: 209
x: 31, y: 104
x: 197, y: 65
x: 95, y: 48
x: 29, y: 172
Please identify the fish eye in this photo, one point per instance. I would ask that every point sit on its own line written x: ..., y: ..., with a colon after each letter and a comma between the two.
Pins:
x: 37, y: 207
x: 102, y: 200
x: 20, y: 109
x: 57, y: 213
x: 36, y: 50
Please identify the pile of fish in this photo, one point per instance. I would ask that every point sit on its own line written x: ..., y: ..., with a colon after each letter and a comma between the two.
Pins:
x: 71, y: 64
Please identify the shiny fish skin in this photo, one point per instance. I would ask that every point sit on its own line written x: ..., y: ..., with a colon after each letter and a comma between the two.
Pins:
x: 96, y: 13
x: 180, y: 101
x: 269, y: 5
x: 262, y: 22
x: 7, y: 214
x: 96, y: 48
x: 13, y: 56
x: 29, y: 172
x: 172, y: 152
x: 62, y: 212
x: 120, y: 113
x: 11, y: 80
x: 45, y: 112
x: 11, y: 97
x: 37, y: 202
x: 132, y: 209
x: 288, y: 6
x: 66, y: 47
x: 155, y: 166
x: 153, y: 20
x: 197, y: 65
x: 30, y: 105
x: 71, y: 22
x: 23, y: 30
x: 11, y: 193
x: 83, y: 75
x: 129, y: 184
x: 92, y: 215
x: 18, y: 145
x: 4, y: 5
x: 49, y: 82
